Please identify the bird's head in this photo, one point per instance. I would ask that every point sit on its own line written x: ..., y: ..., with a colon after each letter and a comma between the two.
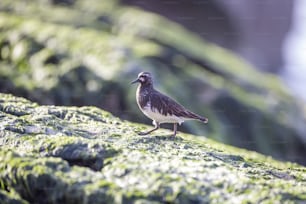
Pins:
x: 144, y: 78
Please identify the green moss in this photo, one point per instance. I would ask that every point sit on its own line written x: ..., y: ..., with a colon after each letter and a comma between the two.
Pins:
x: 42, y: 57
x: 11, y: 197
x: 91, y: 156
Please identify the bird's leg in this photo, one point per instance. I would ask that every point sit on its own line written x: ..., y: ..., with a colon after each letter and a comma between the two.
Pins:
x: 174, y: 129
x: 148, y: 132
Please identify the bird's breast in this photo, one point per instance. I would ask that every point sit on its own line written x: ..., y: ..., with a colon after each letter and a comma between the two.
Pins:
x: 156, y: 115
x: 142, y: 97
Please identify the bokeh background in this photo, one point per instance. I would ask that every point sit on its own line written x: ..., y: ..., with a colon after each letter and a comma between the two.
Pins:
x: 239, y: 63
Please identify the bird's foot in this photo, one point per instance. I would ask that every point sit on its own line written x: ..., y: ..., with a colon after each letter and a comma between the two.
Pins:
x: 172, y: 138
x: 143, y: 133
x: 176, y: 137
x: 148, y: 132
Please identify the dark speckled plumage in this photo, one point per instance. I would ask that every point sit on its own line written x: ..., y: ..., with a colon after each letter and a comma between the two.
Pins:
x: 151, y: 101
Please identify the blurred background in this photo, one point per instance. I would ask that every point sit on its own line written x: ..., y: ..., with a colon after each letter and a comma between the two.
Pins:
x: 240, y: 63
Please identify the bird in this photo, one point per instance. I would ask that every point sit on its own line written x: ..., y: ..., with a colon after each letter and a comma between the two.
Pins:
x: 159, y: 107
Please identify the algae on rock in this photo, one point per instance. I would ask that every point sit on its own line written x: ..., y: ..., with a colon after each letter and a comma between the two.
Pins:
x: 85, y: 53
x: 56, y: 154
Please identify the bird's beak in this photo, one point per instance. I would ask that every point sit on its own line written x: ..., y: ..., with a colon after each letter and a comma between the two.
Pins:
x: 135, y: 81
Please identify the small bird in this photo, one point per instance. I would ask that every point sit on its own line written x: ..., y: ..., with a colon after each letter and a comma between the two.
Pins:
x: 159, y: 107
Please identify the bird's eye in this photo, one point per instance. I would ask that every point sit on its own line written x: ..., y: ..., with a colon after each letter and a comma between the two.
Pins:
x: 142, y: 78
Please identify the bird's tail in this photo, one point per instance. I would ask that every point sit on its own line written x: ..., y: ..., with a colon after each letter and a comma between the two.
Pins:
x: 192, y: 115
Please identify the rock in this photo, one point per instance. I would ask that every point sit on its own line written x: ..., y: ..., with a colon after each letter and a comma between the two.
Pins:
x: 52, y: 154
x: 86, y: 53
x: 231, y: 25
x: 10, y: 198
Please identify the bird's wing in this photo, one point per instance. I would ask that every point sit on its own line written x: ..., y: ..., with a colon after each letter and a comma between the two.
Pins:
x: 166, y: 105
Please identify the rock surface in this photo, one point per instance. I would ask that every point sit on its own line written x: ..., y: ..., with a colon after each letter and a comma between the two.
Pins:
x: 256, y: 31
x: 79, y: 53
x: 52, y: 154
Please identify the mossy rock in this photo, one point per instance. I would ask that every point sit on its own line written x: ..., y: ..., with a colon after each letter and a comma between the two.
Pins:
x: 52, y: 154
x: 86, y: 52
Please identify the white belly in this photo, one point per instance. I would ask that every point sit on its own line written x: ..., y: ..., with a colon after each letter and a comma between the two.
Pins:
x: 155, y: 115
